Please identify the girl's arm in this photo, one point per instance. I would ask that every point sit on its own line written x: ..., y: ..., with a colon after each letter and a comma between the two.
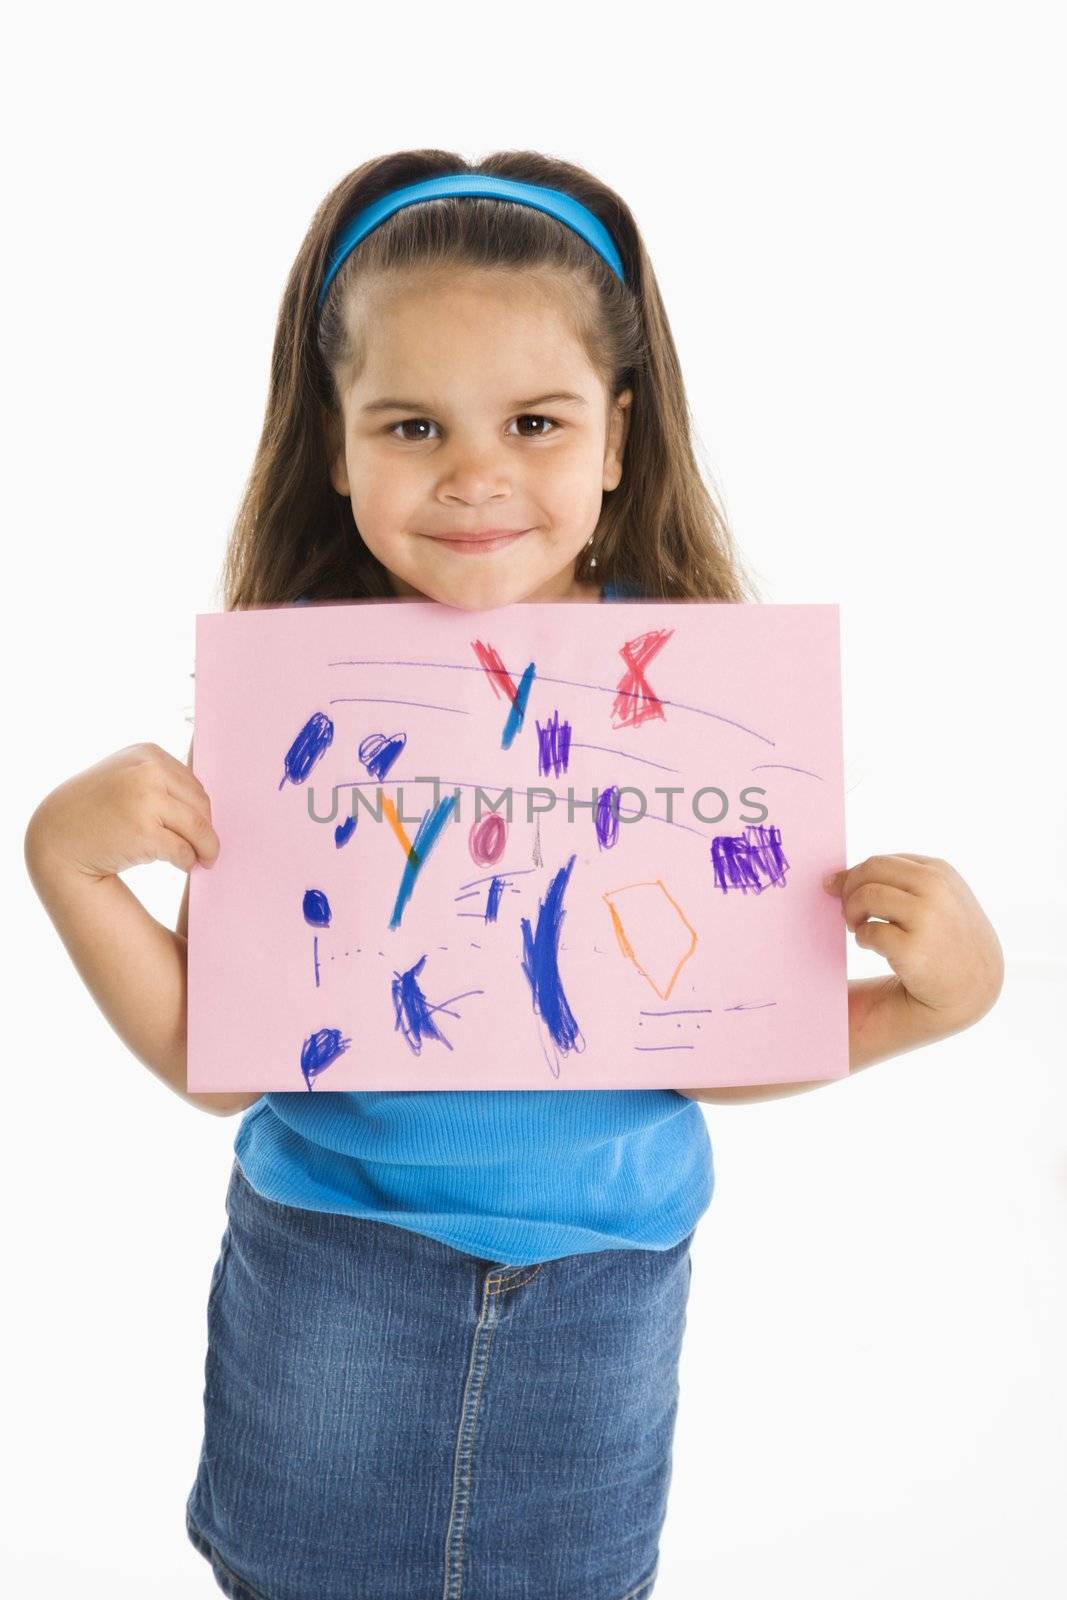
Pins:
x: 947, y: 960
x: 135, y: 968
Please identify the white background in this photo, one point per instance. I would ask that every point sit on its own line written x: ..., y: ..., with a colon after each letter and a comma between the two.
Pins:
x: 855, y: 214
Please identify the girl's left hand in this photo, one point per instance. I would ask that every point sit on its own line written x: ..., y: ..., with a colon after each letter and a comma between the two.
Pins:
x: 935, y: 936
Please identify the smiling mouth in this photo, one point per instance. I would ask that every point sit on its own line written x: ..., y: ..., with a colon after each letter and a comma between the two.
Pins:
x: 472, y: 544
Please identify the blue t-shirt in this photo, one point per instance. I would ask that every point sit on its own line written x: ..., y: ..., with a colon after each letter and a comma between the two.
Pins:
x: 510, y: 1176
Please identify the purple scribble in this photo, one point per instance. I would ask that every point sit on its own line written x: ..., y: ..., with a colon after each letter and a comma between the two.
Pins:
x: 344, y: 832
x: 320, y: 1051
x: 607, y: 817
x: 553, y: 746
x: 378, y: 752
x: 753, y: 860
x: 313, y: 740
x: 316, y: 908
x: 540, y: 963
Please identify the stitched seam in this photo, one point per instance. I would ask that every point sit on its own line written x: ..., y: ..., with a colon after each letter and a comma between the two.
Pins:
x: 474, y: 1441
x: 249, y: 1592
x: 517, y: 1283
x: 643, y: 1587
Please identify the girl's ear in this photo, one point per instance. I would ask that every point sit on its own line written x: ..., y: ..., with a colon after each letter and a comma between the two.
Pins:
x: 618, y: 431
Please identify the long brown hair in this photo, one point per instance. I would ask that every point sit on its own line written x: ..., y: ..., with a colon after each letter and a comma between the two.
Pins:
x: 661, y: 530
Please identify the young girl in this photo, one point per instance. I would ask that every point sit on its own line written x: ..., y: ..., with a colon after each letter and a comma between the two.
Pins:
x: 444, y: 1328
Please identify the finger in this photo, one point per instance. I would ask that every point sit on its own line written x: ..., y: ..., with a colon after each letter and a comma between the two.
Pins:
x: 173, y: 847
x: 899, y: 872
x: 184, y: 786
x: 190, y: 823
x: 179, y: 778
x: 881, y: 900
x: 889, y: 941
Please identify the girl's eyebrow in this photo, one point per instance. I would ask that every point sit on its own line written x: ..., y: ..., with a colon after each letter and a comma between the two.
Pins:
x: 518, y: 405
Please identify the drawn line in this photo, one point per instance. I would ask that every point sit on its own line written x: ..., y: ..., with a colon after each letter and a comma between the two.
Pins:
x: 379, y: 700
x: 626, y: 756
x: 682, y: 1011
x: 571, y: 683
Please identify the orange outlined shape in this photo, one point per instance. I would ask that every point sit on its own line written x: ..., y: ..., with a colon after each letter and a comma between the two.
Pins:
x: 658, y: 926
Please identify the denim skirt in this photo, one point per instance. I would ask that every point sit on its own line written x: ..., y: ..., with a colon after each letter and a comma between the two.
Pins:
x: 388, y: 1418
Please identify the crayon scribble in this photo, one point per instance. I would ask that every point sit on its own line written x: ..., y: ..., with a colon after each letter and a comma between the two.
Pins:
x: 540, y: 964
x: 487, y: 839
x: 428, y: 831
x: 316, y: 908
x: 553, y: 746
x: 500, y: 681
x: 492, y: 899
x: 313, y: 740
x: 320, y: 1051
x: 413, y: 1011
x: 317, y: 915
x: 378, y: 752
x: 635, y: 701
x: 742, y: 861
x: 344, y: 831
x: 607, y: 817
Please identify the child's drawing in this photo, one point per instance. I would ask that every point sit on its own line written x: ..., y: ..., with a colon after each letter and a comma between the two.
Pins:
x: 518, y: 865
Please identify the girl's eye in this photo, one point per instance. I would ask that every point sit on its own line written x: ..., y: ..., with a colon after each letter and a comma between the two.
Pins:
x: 411, y: 422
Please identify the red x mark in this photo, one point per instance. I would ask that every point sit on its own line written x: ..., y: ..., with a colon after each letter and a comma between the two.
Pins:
x: 495, y: 670
x: 635, y: 701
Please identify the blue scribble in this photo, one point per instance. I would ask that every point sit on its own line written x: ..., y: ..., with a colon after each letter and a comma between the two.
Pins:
x: 378, y: 753
x: 492, y: 900
x: 413, y: 1011
x: 320, y: 1051
x: 540, y: 963
x: 316, y: 908
x: 313, y: 740
x: 553, y: 746
x: 424, y: 841
x: 344, y: 832
x: 607, y: 817
x: 518, y: 707
x: 753, y: 860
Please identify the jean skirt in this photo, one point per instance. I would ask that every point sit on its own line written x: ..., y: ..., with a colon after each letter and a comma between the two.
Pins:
x: 388, y: 1418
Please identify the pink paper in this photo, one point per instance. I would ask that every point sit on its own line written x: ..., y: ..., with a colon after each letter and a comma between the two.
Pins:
x: 601, y: 950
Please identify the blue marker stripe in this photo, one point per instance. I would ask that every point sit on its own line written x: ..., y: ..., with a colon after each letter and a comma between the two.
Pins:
x: 425, y: 839
x: 518, y: 709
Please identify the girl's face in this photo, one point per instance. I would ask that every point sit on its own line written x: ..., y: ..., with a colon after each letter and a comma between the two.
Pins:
x: 458, y: 424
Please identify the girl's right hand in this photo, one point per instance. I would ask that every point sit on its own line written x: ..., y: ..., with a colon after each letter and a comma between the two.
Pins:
x: 140, y: 804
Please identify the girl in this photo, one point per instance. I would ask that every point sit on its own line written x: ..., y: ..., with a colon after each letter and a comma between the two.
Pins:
x: 444, y: 1329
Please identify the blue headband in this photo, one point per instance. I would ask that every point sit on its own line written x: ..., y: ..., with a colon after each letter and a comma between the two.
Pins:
x: 564, y: 207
